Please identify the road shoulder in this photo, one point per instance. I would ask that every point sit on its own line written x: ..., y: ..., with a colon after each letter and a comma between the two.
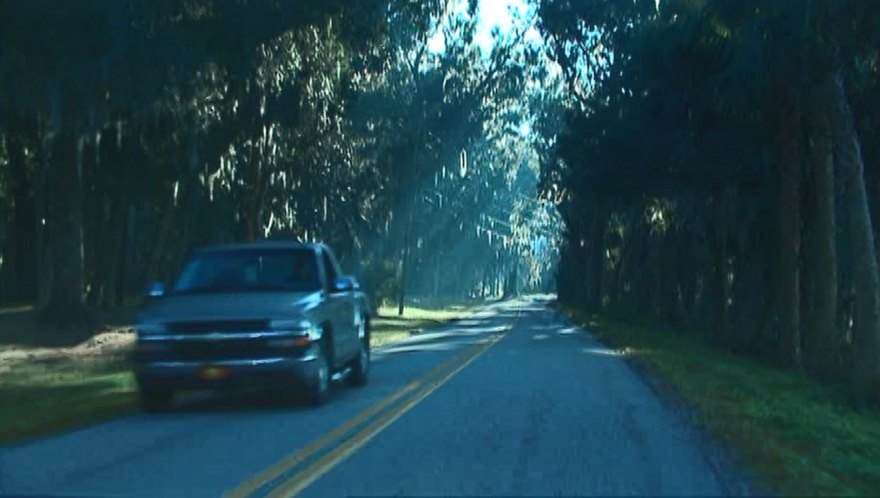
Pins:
x: 734, y: 473
x: 790, y: 435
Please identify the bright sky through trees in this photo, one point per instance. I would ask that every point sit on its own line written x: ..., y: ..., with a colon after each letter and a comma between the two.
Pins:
x: 500, y: 15
x: 496, y: 19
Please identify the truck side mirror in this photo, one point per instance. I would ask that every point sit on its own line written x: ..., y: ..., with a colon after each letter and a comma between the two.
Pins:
x: 343, y: 284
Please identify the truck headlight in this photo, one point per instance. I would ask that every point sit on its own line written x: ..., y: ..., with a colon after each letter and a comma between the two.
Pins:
x: 295, y: 327
x: 306, y: 328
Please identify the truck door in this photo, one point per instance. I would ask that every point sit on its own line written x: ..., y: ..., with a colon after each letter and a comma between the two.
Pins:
x: 341, y: 311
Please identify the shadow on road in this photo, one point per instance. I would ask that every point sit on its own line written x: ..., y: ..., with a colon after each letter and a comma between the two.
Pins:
x: 225, y: 402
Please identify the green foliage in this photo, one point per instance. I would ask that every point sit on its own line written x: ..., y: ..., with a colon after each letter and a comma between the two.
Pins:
x: 380, y: 281
x: 45, y: 399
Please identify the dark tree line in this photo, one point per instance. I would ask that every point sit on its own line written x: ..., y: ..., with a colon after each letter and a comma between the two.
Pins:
x: 718, y: 169
x: 135, y: 131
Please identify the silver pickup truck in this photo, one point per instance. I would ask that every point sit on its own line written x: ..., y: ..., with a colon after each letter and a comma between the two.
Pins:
x: 265, y: 315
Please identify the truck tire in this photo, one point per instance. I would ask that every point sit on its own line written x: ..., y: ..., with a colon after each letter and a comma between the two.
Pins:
x: 317, y: 391
x: 360, y: 366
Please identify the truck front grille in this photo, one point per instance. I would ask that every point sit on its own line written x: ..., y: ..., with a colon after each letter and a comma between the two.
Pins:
x: 206, y: 327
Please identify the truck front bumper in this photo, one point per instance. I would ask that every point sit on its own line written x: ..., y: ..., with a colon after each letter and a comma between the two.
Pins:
x: 226, y: 374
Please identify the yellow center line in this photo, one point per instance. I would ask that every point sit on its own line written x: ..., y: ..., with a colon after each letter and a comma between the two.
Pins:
x: 285, y: 464
x: 281, y: 466
x: 314, y: 471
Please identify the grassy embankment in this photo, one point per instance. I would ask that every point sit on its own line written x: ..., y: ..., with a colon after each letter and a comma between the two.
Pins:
x: 49, y: 386
x: 802, y: 437
x: 388, y: 327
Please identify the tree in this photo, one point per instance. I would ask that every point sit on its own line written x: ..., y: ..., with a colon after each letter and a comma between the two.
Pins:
x: 702, y: 121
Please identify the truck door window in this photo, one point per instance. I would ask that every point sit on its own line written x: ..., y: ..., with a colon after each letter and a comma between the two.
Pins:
x: 329, y: 269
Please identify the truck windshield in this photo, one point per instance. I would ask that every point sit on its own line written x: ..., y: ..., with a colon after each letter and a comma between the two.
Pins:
x: 249, y: 270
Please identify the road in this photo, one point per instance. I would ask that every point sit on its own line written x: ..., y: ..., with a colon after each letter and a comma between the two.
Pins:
x: 512, y: 401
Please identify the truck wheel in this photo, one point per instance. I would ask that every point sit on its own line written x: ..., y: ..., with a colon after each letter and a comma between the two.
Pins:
x: 155, y: 400
x: 320, y: 386
x: 360, y: 366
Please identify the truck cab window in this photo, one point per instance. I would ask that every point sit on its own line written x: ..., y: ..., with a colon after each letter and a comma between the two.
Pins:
x: 329, y: 268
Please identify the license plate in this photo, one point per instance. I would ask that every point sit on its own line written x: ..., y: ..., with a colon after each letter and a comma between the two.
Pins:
x: 213, y: 373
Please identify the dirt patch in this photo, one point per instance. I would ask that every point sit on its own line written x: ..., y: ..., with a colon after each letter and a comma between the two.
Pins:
x: 111, y: 344
x: 27, y: 341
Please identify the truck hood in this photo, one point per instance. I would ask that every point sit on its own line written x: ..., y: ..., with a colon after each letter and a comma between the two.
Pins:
x: 241, y: 306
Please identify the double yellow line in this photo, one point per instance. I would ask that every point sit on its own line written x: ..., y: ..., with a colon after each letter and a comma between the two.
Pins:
x: 413, y: 393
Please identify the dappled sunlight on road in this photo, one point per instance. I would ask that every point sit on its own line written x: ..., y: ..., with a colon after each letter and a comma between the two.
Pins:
x: 455, y: 338
x: 615, y: 352
x: 425, y: 347
x: 602, y: 351
x: 474, y: 329
x: 557, y: 329
x: 569, y: 331
x: 469, y: 323
x: 545, y: 332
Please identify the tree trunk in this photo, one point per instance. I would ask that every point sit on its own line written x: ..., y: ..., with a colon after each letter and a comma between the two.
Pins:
x: 42, y: 208
x: 113, y: 186
x: 511, y: 280
x: 121, y: 266
x: 65, y: 305
x: 617, y: 291
x: 596, y: 259
x: 789, y: 143
x: 672, y: 298
x: 163, y: 233
x: 717, y: 290
x: 94, y: 225
x: 631, y: 274
x: 642, y: 278
x: 19, y: 256
x: 866, y: 330
x: 251, y: 215
x: 845, y: 287
x: 819, y: 256
x: 687, y: 277
x: 876, y: 212
x: 402, y: 273
x: 116, y: 244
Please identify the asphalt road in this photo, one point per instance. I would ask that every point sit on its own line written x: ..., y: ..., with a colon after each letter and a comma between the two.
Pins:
x: 514, y: 401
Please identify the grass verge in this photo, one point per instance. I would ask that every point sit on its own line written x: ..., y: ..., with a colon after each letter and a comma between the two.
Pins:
x: 41, y: 399
x: 388, y: 327
x: 802, y: 437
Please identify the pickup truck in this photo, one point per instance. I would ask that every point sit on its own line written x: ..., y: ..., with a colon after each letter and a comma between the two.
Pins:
x: 275, y: 315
